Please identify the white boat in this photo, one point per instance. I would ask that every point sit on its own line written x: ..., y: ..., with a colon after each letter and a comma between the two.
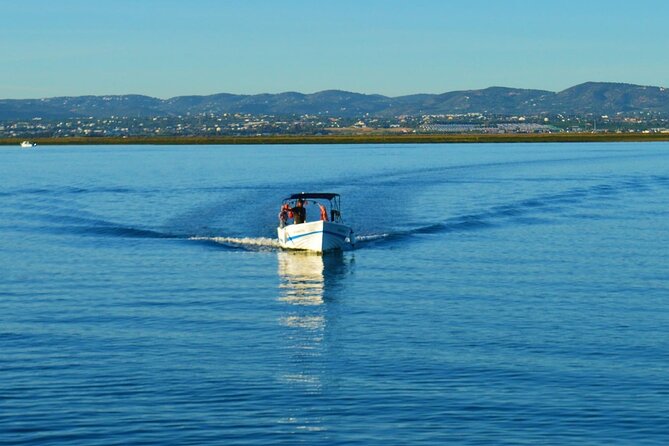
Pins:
x: 27, y: 144
x: 327, y: 233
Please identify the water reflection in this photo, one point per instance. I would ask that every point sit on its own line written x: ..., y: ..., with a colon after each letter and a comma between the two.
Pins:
x: 302, y: 278
x: 309, y: 286
x: 311, y: 279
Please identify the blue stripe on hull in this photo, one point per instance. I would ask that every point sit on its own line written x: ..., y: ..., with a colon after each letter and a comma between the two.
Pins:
x: 290, y: 239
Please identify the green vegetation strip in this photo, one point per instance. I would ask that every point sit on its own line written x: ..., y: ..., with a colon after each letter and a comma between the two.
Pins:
x: 351, y: 139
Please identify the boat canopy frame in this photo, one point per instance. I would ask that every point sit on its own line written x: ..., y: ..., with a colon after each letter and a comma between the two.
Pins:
x: 332, y: 199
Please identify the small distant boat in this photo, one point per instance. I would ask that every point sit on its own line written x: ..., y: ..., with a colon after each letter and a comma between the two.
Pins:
x: 328, y: 233
x: 27, y: 144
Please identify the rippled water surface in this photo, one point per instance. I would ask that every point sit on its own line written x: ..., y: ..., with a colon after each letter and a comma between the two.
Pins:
x: 500, y: 294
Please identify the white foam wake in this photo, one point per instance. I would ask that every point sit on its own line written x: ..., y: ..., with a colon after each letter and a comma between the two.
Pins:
x: 370, y: 237
x: 246, y: 242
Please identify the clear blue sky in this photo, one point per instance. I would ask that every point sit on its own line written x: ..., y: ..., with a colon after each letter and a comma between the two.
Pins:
x: 167, y: 48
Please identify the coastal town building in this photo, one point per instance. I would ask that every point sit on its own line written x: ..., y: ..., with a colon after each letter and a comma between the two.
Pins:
x: 245, y: 124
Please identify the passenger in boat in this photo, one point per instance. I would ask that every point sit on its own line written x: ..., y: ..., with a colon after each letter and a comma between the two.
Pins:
x: 324, y: 212
x: 284, y: 214
x: 299, y: 212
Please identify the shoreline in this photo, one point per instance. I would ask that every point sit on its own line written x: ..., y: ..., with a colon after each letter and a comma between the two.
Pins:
x: 346, y: 139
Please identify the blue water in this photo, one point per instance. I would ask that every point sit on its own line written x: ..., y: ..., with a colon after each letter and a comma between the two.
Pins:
x: 500, y: 294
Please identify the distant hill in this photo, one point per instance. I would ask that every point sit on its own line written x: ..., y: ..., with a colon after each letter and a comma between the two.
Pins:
x: 590, y: 97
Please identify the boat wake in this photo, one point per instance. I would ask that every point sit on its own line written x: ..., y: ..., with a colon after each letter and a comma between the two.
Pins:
x: 270, y: 244
x: 539, y: 209
x: 361, y: 240
x: 248, y: 243
x: 585, y: 202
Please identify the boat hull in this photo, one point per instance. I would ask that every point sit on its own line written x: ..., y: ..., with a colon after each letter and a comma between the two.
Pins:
x: 317, y: 236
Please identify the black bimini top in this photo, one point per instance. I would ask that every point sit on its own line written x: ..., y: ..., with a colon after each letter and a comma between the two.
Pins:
x: 313, y: 195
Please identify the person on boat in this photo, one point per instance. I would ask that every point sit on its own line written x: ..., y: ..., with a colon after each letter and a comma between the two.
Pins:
x: 284, y: 215
x: 299, y: 212
x: 324, y: 212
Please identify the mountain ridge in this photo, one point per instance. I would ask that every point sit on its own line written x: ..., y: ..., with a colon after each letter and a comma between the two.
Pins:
x: 588, y: 97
